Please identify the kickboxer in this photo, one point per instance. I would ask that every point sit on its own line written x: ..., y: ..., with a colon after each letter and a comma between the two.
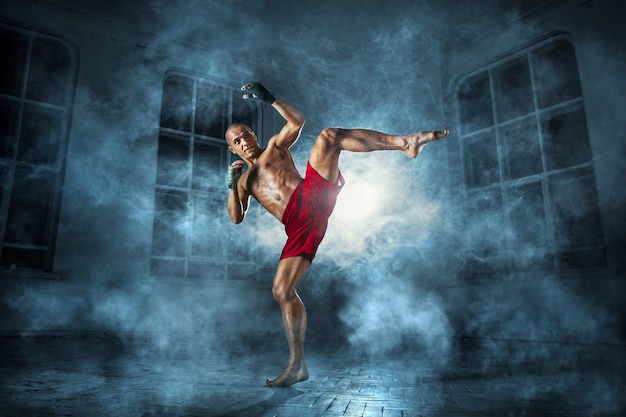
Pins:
x: 302, y: 205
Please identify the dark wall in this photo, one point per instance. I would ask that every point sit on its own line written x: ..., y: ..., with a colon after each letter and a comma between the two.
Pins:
x: 388, y: 275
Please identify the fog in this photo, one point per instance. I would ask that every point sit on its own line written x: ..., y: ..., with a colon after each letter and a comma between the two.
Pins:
x: 389, y: 276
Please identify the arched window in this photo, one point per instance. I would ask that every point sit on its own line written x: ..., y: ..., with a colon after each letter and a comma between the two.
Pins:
x: 527, y: 164
x: 37, y: 83
x: 190, y: 233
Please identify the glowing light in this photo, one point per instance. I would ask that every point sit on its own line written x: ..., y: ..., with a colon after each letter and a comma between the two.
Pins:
x: 358, y: 201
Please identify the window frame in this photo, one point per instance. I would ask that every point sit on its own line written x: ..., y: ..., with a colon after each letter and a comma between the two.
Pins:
x: 554, y: 249
x: 62, y: 105
x: 221, y: 267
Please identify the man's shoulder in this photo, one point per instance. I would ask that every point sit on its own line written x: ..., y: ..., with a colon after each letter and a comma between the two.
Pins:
x: 273, y: 151
x: 271, y: 143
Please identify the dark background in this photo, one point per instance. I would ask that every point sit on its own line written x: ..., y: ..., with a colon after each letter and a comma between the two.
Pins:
x: 393, y: 274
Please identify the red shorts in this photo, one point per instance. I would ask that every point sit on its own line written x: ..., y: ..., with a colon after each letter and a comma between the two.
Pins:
x: 307, y: 212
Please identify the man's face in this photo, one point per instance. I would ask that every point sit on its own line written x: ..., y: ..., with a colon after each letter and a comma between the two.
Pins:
x: 242, y: 141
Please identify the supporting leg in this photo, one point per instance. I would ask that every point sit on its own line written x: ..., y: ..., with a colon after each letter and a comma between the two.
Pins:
x: 288, y: 275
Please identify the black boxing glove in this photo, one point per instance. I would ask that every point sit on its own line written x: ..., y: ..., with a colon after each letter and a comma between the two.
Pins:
x: 256, y: 91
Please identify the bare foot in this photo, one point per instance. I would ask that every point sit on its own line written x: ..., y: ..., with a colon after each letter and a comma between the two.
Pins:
x: 289, y: 376
x: 416, y: 142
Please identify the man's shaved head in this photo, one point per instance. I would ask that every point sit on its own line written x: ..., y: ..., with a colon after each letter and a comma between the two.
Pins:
x: 233, y: 127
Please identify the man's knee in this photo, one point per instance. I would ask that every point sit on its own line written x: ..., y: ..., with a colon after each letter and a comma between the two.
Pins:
x: 328, y: 138
x: 282, y: 293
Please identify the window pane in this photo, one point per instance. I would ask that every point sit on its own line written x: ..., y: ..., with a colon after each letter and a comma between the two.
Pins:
x: 522, y: 154
x: 209, y: 167
x: 239, y: 244
x: 575, y: 207
x: 8, y: 128
x: 173, y: 161
x: 167, y: 268
x: 170, y: 223
x: 211, y: 110
x: 485, y: 222
x: 474, y: 98
x: 529, y: 234
x: 14, y: 49
x: 485, y: 233
x: 40, y: 137
x: 177, y: 104
x: 49, y: 72
x: 243, y: 111
x: 206, y: 271
x: 513, y: 89
x: 566, y: 142
x: 29, y: 209
x: 556, y: 73
x: 208, y: 226
x: 527, y: 216
x: 481, y: 161
x: 244, y: 272
x: 23, y: 258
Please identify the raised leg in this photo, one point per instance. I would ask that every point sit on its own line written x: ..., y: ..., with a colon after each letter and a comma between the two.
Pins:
x: 331, y: 141
x: 288, y: 275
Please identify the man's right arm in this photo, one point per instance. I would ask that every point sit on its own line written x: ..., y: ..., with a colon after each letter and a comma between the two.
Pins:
x: 237, y: 204
x: 238, y: 197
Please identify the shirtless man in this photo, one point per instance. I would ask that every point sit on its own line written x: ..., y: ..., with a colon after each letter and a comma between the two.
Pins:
x: 302, y: 205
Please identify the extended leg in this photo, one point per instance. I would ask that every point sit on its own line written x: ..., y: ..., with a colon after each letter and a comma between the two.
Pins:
x: 288, y: 275
x: 331, y: 141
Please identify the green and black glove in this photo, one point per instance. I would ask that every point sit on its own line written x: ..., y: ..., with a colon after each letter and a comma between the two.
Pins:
x: 258, y: 92
x: 232, y: 177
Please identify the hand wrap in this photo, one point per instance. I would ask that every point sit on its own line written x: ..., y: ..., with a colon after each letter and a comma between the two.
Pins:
x: 259, y: 93
x: 232, y: 177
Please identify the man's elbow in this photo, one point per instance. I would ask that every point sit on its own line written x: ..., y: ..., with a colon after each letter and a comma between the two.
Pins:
x: 297, y: 121
x: 236, y: 219
x: 297, y: 126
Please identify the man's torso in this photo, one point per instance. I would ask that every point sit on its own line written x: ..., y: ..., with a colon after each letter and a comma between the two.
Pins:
x: 272, y: 179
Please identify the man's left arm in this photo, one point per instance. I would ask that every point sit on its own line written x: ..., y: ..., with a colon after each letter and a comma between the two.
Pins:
x: 290, y: 132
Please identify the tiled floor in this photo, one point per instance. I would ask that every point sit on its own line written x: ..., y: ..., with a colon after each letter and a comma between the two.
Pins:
x: 103, y: 377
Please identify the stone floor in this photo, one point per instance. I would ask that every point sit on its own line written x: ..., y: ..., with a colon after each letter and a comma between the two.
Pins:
x: 104, y: 377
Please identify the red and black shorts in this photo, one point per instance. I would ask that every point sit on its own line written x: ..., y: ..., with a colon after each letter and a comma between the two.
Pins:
x: 307, y: 212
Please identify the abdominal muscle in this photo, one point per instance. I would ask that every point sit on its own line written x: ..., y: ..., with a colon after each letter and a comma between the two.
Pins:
x: 273, y: 182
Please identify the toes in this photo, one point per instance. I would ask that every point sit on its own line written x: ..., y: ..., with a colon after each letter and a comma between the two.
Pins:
x: 441, y: 134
